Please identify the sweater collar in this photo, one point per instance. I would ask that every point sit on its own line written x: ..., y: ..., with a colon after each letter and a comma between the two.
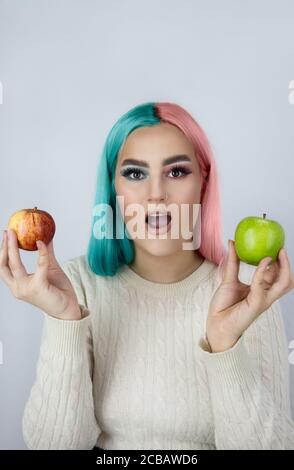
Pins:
x: 171, y: 289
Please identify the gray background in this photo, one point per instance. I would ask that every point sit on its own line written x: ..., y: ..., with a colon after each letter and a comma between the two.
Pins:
x: 70, y: 69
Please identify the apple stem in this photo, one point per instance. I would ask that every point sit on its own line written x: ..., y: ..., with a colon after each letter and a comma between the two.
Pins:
x: 264, y: 216
x: 35, y: 208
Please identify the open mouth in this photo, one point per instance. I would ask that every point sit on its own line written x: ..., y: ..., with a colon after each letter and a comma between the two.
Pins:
x: 158, y: 220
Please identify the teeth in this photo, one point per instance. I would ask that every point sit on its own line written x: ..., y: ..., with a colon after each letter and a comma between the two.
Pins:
x: 159, y: 214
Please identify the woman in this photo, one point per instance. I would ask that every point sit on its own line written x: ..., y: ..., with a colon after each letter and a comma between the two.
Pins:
x: 147, y: 344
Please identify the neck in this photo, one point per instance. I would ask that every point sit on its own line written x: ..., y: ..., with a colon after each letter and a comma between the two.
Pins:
x: 166, y: 269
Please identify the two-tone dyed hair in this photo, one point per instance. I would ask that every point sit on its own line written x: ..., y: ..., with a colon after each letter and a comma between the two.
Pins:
x: 106, y: 255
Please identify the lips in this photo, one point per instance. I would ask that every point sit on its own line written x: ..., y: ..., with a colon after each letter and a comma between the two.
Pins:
x: 158, y: 220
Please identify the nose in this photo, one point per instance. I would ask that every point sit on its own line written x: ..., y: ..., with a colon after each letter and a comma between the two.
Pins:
x: 157, y: 194
x: 156, y: 199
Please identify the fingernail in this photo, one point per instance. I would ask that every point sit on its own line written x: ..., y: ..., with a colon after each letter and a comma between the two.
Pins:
x: 38, y: 243
x: 9, y: 234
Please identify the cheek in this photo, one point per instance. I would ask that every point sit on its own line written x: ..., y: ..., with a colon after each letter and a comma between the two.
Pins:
x: 128, y: 196
x: 189, y: 196
x: 189, y: 192
x: 123, y: 191
x: 128, y: 190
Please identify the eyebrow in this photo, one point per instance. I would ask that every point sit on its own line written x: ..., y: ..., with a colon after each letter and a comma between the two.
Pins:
x: 166, y: 161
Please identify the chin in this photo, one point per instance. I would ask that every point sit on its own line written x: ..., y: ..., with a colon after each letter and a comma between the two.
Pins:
x: 161, y: 247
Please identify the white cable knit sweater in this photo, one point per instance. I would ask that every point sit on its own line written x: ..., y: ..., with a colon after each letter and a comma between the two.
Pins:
x: 136, y: 373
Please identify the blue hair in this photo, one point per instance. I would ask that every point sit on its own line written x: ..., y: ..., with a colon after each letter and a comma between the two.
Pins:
x: 106, y: 255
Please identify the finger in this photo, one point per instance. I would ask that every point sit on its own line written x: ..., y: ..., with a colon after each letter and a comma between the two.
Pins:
x: 5, y: 272
x: 289, y: 269
x: 3, y: 251
x: 52, y: 259
x: 43, y: 261
x: 257, y: 290
x: 260, y: 272
x: 271, y: 272
x: 284, y: 281
x: 17, y: 268
x: 231, y: 269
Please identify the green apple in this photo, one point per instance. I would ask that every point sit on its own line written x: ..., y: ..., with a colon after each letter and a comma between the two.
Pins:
x: 258, y: 237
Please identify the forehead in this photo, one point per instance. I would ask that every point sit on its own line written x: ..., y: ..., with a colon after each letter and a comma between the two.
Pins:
x: 154, y: 143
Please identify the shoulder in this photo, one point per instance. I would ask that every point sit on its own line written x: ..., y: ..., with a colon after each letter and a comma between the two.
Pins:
x: 84, y: 280
x: 78, y: 264
x: 245, y: 274
x: 266, y: 335
x: 80, y: 268
x: 77, y: 269
x: 214, y: 277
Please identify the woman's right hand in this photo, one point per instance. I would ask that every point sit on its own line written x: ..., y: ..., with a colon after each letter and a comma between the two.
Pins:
x: 48, y: 288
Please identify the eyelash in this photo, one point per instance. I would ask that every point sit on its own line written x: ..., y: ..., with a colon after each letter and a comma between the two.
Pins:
x: 131, y: 170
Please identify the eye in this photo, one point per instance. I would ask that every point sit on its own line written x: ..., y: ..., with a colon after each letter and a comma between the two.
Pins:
x: 131, y: 171
x: 180, y: 169
x: 136, y: 174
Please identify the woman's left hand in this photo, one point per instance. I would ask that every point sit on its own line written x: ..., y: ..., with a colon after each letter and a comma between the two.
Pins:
x: 236, y: 305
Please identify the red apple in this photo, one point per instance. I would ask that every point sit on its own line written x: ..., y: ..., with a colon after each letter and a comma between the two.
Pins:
x: 31, y: 225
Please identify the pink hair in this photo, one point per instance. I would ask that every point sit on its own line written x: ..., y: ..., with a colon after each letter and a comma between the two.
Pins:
x: 211, y: 246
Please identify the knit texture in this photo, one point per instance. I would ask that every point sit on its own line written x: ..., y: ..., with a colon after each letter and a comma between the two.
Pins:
x: 136, y: 371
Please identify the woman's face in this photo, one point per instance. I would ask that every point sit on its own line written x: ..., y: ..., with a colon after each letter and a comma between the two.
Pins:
x: 144, y: 184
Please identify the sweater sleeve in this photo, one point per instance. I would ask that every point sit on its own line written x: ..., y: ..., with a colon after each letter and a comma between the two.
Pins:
x: 59, y: 413
x: 249, y: 387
